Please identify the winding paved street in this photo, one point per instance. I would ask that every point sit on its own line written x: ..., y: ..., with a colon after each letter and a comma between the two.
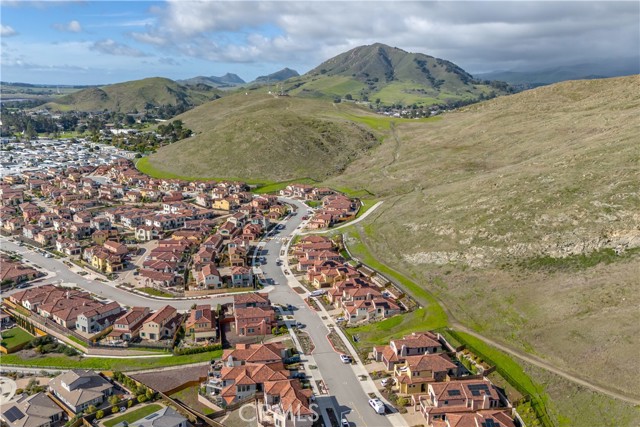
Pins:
x: 346, y: 395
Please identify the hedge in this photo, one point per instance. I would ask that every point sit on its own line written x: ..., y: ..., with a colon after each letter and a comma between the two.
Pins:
x: 195, y: 350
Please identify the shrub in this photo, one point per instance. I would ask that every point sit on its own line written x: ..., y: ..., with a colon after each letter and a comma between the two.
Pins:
x: 142, y: 398
x: 115, y: 409
x: 402, y: 401
x: 19, y: 391
x: 195, y: 350
x: 129, y: 403
x: 99, y: 414
x: 114, y: 399
x: 91, y: 409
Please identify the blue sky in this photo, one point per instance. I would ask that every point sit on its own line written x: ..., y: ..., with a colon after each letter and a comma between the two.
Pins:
x: 99, y: 42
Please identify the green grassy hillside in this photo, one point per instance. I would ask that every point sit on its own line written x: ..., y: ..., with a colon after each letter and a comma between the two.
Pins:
x: 522, y: 215
x: 135, y: 95
x: 393, y: 76
x: 262, y: 137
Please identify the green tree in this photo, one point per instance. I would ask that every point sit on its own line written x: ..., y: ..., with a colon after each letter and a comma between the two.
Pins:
x: 114, y: 409
x: 30, y: 132
x: 114, y: 400
x: 100, y: 414
x: 91, y: 409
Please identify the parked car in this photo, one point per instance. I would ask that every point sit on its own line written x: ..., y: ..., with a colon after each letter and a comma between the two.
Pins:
x: 345, y: 358
x: 299, y: 325
x: 318, y: 293
x: 386, y: 381
x: 299, y: 375
x: 293, y: 359
x: 377, y: 406
x: 341, y: 319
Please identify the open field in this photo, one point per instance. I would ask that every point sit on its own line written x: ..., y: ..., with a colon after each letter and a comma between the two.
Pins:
x: 112, y: 364
x: 511, y: 212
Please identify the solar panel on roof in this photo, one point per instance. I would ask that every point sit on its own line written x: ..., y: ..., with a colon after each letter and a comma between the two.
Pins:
x: 13, y: 414
x: 453, y: 392
x: 475, y: 389
x: 489, y: 423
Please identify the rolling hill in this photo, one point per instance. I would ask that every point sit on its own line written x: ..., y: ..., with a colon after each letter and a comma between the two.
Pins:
x: 392, y: 76
x: 261, y: 137
x: 135, y: 96
x: 522, y: 215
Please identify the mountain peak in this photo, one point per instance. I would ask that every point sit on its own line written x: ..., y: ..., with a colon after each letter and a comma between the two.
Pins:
x: 278, y: 76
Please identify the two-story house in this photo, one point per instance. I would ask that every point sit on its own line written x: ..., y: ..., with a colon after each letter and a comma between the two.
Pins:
x: 161, y: 325
x: 96, y: 320
x: 415, y: 344
x: 414, y: 375
x: 127, y: 326
x: 458, y: 396
x: 201, y: 323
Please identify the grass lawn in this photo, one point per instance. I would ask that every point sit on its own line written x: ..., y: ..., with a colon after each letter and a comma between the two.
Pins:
x: 134, y: 415
x: 77, y: 340
x: 379, y: 333
x: 383, y: 123
x: 155, y: 292
x: 65, y: 362
x: 14, y: 337
x: 189, y: 396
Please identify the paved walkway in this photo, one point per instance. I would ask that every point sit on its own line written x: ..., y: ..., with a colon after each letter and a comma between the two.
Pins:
x: 348, y: 224
x: 7, y: 389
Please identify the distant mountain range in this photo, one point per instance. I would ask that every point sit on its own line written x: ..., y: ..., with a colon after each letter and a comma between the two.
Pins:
x: 228, y: 80
x: 612, y: 68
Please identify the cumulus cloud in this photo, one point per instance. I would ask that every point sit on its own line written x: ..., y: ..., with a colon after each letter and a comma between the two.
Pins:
x: 482, y: 35
x: 70, y: 27
x: 111, y: 47
x: 7, y: 31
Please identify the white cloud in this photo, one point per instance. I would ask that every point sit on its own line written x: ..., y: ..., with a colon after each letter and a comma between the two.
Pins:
x: 70, y: 27
x: 111, y: 47
x: 482, y: 34
x: 7, y: 31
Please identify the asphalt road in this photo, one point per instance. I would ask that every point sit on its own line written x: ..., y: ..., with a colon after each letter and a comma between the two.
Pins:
x: 343, y: 385
x: 339, y: 378
x: 63, y: 275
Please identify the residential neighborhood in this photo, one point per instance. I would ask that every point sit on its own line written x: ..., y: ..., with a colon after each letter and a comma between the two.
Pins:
x: 205, y: 255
